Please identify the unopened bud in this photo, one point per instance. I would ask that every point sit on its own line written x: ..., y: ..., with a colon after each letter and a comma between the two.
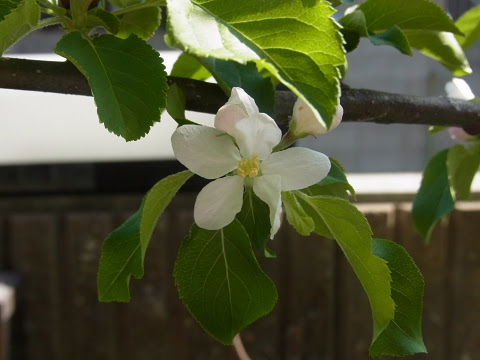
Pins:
x: 304, y: 122
x: 457, y: 133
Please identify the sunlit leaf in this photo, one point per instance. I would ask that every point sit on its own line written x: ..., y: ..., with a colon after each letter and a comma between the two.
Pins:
x: 463, y: 162
x: 469, y: 25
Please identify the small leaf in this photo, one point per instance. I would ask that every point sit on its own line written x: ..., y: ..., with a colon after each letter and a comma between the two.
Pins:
x: 142, y: 22
x: 296, y: 216
x: 17, y: 19
x: 176, y: 105
x: 189, y: 67
x: 434, y: 199
x: 469, y: 25
x: 441, y: 46
x: 393, y: 37
x: 127, y: 79
x: 124, y: 3
x: 100, y: 17
x: 240, y: 31
x: 352, y: 232
x: 406, y: 14
x: 403, y: 335
x: 255, y: 218
x: 124, y: 249
x: 230, y: 73
x: 462, y: 165
x: 220, y: 281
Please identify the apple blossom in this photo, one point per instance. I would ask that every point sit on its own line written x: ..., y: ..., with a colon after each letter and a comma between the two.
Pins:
x: 304, y: 122
x: 243, y: 159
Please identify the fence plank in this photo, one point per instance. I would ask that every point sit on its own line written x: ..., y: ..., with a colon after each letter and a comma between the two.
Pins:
x: 465, y: 317
x: 33, y: 241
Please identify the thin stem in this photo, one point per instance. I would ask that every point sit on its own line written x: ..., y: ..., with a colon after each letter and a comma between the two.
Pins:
x: 48, y: 22
x: 239, y: 348
x: 56, y: 9
x: 140, y: 6
x: 288, y: 139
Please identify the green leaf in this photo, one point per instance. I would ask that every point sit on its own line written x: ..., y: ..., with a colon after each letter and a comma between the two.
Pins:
x: 124, y: 249
x: 296, y: 216
x: 141, y: 22
x: 382, y: 15
x: 469, y: 25
x: 255, y: 218
x: 334, y: 184
x: 127, y: 78
x: 394, y: 37
x: 352, y: 232
x: 434, y: 198
x: 434, y: 129
x: 124, y: 3
x: 441, y: 46
x: 230, y: 73
x: 250, y: 30
x: 189, y: 67
x: 462, y: 165
x: 17, y: 19
x: 176, y: 105
x: 403, y: 335
x: 100, y: 17
x: 220, y: 281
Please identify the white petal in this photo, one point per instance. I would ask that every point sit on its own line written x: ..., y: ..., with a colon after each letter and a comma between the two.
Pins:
x: 257, y: 134
x: 206, y: 151
x: 459, y: 89
x: 240, y: 98
x: 227, y: 116
x: 307, y: 123
x: 268, y: 189
x: 298, y: 167
x: 219, y: 202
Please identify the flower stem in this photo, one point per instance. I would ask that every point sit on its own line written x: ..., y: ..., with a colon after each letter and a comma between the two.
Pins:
x: 239, y: 348
x: 288, y: 139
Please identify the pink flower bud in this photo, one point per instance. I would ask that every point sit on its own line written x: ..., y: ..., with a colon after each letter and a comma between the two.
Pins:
x: 457, y: 133
x: 304, y: 122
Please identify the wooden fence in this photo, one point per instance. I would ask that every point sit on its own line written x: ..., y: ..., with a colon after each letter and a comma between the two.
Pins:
x: 54, y: 244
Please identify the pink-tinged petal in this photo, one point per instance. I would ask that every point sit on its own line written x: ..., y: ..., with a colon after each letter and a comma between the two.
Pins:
x: 457, y: 133
x: 257, y: 134
x: 227, y: 116
x: 240, y: 98
x: 206, y: 151
x: 219, y: 202
x: 268, y: 189
x: 297, y: 167
x: 305, y: 122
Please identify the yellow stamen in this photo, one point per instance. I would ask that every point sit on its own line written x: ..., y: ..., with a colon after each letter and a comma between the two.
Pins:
x: 249, y: 167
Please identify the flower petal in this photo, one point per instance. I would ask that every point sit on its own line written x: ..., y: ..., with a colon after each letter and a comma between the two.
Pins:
x: 268, y: 189
x: 305, y: 122
x: 206, y: 151
x: 240, y: 98
x: 257, y: 134
x: 219, y: 202
x: 298, y: 167
x: 227, y: 116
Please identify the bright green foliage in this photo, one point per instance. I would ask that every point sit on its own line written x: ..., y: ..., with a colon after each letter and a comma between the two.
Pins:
x: 229, y: 73
x: 469, y: 25
x: 127, y: 79
x: 443, y: 47
x: 301, y: 48
x: 434, y: 199
x: 124, y: 250
x: 352, y: 232
x: 176, y: 105
x: 462, y: 165
x: 17, y: 19
x: 255, y: 218
x: 403, y: 335
x: 406, y: 14
x: 142, y: 22
x: 124, y: 3
x: 100, y: 17
x: 220, y: 281
x: 296, y: 216
x: 394, y: 37
x: 189, y: 67
x: 334, y: 184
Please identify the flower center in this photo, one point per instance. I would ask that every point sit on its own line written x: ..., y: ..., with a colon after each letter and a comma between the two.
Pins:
x: 249, y: 167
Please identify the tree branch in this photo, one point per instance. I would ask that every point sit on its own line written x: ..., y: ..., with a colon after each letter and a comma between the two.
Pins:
x: 359, y: 105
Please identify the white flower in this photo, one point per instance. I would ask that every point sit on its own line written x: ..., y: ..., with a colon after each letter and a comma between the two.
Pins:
x: 304, y: 122
x: 246, y: 159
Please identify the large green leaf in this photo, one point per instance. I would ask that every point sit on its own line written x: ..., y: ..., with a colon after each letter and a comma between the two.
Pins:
x: 352, y: 232
x: 17, y: 19
x: 142, y: 22
x: 462, y: 165
x: 124, y: 249
x: 229, y: 73
x: 406, y: 14
x: 403, y: 335
x: 305, y: 57
x: 469, y: 25
x: 296, y: 216
x: 441, y: 46
x: 188, y: 66
x: 220, y: 281
x: 126, y: 76
x: 434, y: 198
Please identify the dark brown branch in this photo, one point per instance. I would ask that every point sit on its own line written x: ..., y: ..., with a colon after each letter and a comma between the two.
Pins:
x: 359, y: 105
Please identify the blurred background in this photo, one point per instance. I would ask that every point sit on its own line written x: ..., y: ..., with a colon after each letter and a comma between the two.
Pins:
x: 66, y: 182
